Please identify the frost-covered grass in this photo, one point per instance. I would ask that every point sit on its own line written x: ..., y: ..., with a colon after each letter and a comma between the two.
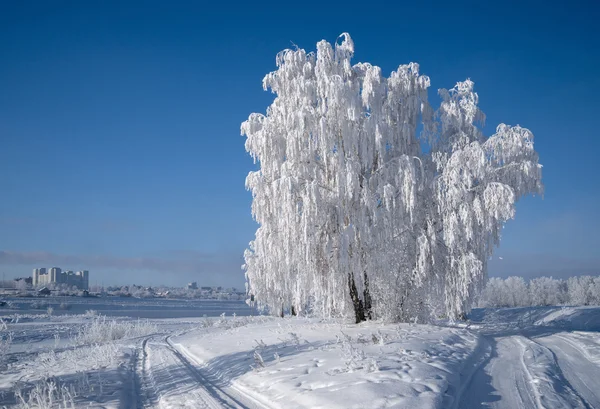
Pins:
x: 66, y: 361
x: 95, y: 356
x: 6, y: 338
x: 47, y: 394
x: 101, y: 330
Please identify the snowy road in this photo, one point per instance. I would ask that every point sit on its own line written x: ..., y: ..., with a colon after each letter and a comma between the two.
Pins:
x: 579, y: 371
x: 545, y: 368
x: 170, y: 379
x: 504, y: 372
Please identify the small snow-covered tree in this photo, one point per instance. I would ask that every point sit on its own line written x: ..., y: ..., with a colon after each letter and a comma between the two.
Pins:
x: 369, y: 202
x: 21, y: 284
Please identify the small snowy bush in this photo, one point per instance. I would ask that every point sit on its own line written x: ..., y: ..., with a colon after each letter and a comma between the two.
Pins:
x: 259, y: 363
x: 39, y: 305
x: 354, y: 356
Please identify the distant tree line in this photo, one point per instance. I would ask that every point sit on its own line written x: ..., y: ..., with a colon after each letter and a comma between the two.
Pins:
x: 542, y: 291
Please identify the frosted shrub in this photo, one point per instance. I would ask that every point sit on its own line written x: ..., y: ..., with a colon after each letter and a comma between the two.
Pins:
x: 379, y: 338
x: 237, y: 322
x: 259, y: 363
x: 294, y: 338
x: 354, y: 356
x: 371, y: 365
x: 207, y: 322
x: 90, y: 313
x: 221, y: 321
x: 49, y: 310
x: 39, y: 305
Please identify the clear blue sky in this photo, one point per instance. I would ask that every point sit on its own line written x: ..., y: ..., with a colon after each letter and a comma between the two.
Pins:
x: 119, y: 123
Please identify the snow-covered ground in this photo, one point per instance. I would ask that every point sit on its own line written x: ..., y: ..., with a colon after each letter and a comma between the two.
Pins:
x: 508, y: 358
x: 539, y: 358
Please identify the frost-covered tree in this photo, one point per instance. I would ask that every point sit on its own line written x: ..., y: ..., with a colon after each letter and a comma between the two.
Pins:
x: 580, y: 290
x: 517, y: 292
x: 511, y: 292
x: 595, y: 291
x: 494, y: 294
x: 370, y: 203
x: 546, y: 291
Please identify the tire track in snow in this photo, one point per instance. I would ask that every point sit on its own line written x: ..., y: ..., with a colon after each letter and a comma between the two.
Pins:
x: 131, y: 391
x: 169, y: 383
x: 232, y: 398
x: 170, y: 380
x: 551, y: 388
x: 581, y: 372
x: 520, y: 374
x: 480, y: 358
x: 502, y: 381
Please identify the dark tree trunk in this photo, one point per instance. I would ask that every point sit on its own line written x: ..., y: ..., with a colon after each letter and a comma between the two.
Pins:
x: 359, y: 309
x: 293, y: 311
x: 281, y: 315
x: 367, y: 297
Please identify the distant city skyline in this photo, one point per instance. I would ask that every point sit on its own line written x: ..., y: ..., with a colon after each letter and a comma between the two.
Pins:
x: 120, y: 124
x: 55, y: 275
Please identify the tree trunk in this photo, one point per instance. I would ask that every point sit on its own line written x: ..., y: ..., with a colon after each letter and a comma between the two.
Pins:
x: 359, y: 310
x: 367, y: 297
x: 293, y: 311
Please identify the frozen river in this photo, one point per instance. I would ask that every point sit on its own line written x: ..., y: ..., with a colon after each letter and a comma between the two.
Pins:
x: 126, y: 306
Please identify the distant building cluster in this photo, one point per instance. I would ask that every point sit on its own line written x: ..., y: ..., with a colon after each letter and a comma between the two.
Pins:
x: 55, y: 275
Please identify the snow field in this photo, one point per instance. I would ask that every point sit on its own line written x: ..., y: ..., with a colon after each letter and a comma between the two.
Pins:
x: 301, y: 363
x: 519, y: 358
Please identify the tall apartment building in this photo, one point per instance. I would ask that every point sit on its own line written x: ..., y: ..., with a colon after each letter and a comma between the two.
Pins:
x: 80, y: 279
x: 37, y: 272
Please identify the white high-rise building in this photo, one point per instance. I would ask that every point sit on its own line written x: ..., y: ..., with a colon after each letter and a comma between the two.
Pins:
x: 55, y: 275
x: 37, y: 272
